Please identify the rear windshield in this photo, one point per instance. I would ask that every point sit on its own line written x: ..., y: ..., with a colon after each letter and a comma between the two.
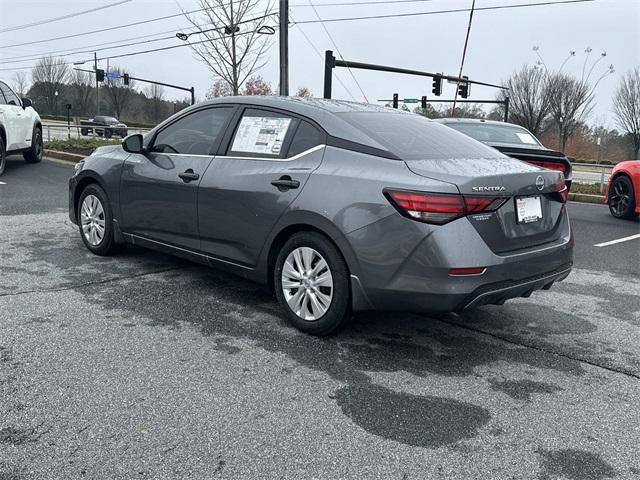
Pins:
x: 413, y: 137
x: 492, y: 133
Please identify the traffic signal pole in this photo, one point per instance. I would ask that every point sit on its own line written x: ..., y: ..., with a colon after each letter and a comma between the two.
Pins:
x: 95, y: 68
x: 284, y: 47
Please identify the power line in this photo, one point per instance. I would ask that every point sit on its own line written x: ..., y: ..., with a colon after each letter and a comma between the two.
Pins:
x: 63, y: 17
x: 338, y: 51
x: 108, y: 29
x: 321, y: 57
x: 436, y: 12
x: 370, y: 2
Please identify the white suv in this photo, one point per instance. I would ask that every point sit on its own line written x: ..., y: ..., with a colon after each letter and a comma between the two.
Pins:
x: 20, y: 127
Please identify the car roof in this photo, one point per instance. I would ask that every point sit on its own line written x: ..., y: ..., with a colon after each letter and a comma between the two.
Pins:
x: 476, y: 120
x: 325, y: 112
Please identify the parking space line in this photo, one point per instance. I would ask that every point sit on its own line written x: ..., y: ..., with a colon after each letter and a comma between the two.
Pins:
x: 2, y: 183
x: 619, y: 240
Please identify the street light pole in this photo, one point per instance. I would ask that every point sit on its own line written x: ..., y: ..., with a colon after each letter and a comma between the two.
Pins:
x: 95, y: 68
x: 284, y: 47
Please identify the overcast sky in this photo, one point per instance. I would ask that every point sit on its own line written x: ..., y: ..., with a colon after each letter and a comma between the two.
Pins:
x: 501, y: 41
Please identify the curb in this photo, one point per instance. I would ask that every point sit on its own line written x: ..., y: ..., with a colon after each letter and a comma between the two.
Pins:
x: 586, y: 198
x: 70, y: 157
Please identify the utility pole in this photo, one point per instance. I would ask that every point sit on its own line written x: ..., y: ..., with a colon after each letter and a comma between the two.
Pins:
x: 284, y: 48
x: 95, y: 68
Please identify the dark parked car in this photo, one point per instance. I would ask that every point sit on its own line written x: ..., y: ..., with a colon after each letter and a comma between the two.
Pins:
x: 103, y: 126
x: 512, y: 140
x: 337, y: 206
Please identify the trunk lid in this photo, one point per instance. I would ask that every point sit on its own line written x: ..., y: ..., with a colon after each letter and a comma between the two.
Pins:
x: 507, y: 178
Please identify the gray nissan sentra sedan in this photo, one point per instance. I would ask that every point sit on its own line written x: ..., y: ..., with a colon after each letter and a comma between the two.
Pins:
x: 337, y: 206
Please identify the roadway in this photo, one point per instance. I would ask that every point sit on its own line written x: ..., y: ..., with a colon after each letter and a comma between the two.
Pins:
x: 143, y: 365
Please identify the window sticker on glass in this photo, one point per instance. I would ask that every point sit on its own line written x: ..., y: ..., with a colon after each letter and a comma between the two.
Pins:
x: 261, y: 135
x: 526, y: 138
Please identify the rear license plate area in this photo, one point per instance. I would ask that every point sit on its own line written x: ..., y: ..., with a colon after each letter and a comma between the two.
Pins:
x: 528, y: 209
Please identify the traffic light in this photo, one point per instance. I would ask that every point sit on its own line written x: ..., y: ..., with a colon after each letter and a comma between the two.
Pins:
x: 395, y: 100
x: 126, y: 78
x: 463, y: 88
x: 99, y: 75
x: 437, y: 85
x: 423, y: 102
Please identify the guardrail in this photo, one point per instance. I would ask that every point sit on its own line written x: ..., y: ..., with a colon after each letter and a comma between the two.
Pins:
x: 591, y: 173
x: 60, y: 131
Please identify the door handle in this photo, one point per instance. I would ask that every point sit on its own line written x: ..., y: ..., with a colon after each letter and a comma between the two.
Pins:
x: 188, y: 175
x: 285, y: 183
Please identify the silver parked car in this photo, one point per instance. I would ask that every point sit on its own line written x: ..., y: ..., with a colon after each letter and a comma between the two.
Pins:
x: 337, y: 206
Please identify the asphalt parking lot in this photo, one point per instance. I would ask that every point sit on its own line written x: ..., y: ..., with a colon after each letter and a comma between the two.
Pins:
x: 146, y: 366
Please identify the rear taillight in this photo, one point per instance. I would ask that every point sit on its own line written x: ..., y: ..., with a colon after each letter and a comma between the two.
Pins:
x: 560, y: 190
x: 558, y: 166
x: 440, y: 208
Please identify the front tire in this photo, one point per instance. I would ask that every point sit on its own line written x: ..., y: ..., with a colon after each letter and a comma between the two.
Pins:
x: 622, y: 198
x: 34, y: 154
x: 95, y: 221
x: 312, y: 284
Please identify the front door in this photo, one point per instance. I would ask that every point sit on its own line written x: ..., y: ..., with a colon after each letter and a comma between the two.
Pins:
x: 159, y: 190
x: 17, y: 120
x: 244, y: 192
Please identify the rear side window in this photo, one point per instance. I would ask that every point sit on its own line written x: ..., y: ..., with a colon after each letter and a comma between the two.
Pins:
x: 194, y: 134
x: 10, y: 98
x: 307, y: 136
x: 413, y: 137
x: 262, y: 133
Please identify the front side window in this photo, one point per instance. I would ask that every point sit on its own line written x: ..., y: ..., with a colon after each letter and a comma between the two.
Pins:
x: 10, y: 98
x: 194, y: 134
x: 261, y: 133
x: 413, y: 137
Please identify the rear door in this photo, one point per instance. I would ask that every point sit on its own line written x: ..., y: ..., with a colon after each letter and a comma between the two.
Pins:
x: 159, y: 190
x: 269, y: 157
x: 17, y: 122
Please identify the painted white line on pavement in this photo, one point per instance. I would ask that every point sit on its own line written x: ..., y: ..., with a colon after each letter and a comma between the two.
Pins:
x: 2, y: 183
x: 619, y: 240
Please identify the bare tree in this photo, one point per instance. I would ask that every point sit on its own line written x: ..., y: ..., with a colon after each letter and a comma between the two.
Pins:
x: 626, y: 107
x: 220, y: 88
x: 50, y: 74
x: 81, y: 86
x: 20, y: 83
x: 528, y: 99
x: 570, y: 102
x: 256, y: 85
x: 234, y: 49
x: 155, y: 95
x: 116, y: 92
x: 304, y: 92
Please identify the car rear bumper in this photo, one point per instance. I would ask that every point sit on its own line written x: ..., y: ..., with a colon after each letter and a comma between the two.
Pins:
x: 403, y: 273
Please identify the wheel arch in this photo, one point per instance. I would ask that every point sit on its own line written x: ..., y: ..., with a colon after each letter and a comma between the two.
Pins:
x: 623, y: 173
x: 86, y: 179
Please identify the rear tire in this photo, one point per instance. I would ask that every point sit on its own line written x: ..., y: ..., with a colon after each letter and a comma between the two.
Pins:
x: 95, y: 221
x: 3, y: 156
x: 312, y: 284
x: 34, y: 154
x: 84, y: 132
x: 108, y: 133
x: 622, y: 198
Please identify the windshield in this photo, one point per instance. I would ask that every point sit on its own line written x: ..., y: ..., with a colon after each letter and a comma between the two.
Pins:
x: 492, y: 133
x: 110, y: 120
x: 413, y: 137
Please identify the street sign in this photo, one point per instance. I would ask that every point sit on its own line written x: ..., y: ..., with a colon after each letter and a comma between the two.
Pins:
x: 112, y: 74
x: 410, y: 100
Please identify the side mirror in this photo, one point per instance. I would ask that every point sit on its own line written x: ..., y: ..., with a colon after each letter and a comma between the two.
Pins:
x: 26, y: 102
x: 133, y: 144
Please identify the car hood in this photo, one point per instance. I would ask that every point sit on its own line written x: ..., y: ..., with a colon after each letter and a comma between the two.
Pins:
x: 105, y: 150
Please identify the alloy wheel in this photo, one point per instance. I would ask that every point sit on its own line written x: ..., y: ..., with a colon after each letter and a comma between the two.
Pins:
x: 307, y: 283
x: 620, y: 198
x: 92, y: 219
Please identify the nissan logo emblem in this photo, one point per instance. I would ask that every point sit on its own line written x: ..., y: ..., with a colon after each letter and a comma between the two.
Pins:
x: 539, y: 182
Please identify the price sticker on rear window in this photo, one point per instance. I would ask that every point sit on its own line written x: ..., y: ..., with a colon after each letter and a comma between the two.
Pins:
x: 261, y: 135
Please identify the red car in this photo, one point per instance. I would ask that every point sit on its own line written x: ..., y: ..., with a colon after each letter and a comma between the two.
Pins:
x: 623, y: 191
